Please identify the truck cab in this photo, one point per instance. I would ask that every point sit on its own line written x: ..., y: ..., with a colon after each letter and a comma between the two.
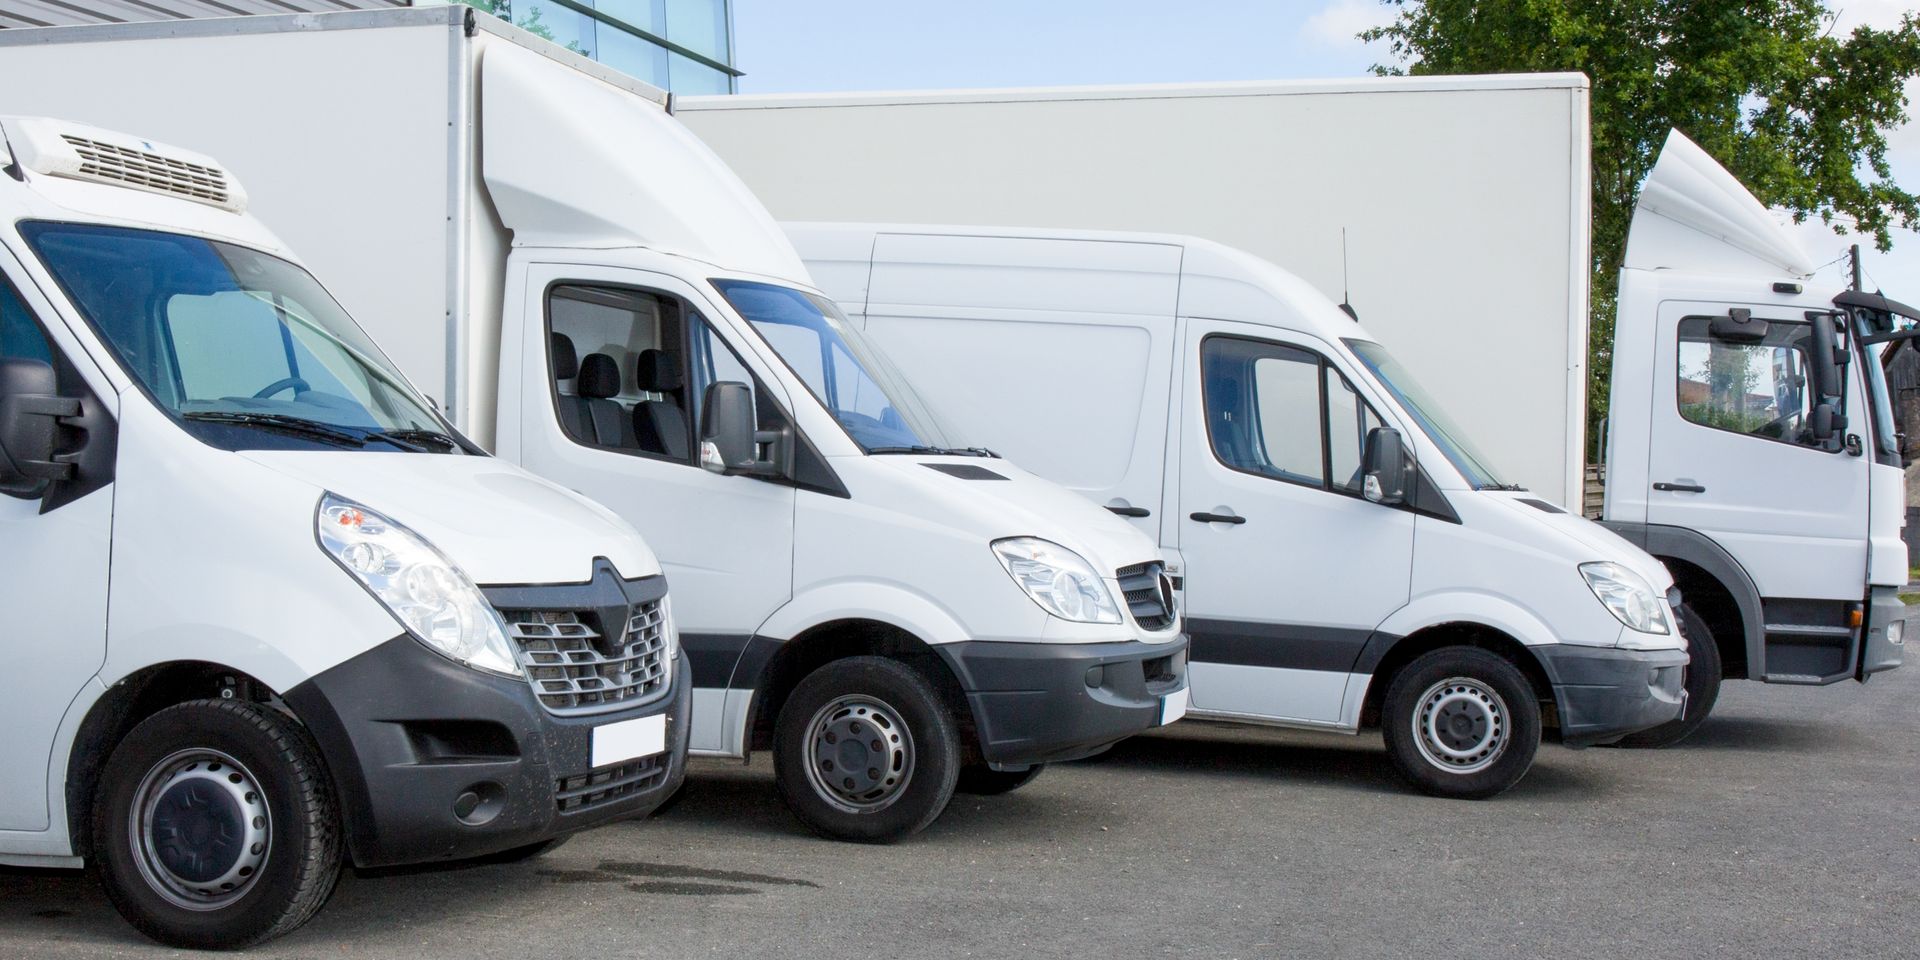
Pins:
x: 269, y: 614
x: 1349, y: 558
x: 1751, y: 442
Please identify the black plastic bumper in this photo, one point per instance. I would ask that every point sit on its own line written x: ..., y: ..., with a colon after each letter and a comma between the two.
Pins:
x: 1886, y: 643
x: 434, y: 761
x: 1603, y: 693
x: 1043, y: 702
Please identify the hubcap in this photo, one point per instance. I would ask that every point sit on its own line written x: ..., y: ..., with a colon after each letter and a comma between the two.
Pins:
x: 200, y: 829
x: 859, y: 754
x: 1461, y: 725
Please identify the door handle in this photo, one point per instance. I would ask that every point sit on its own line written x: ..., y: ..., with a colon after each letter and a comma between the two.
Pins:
x: 1680, y: 487
x: 1132, y: 511
x: 1205, y: 517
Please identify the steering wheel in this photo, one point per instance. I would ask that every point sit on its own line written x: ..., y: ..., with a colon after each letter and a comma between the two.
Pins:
x: 295, y: 384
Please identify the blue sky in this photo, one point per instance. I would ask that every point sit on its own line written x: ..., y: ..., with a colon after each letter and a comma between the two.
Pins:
x: 828, y: 45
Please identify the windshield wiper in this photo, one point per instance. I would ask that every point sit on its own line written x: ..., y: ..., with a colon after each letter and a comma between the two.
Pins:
x: 413, y: 438
x: 923, y: 449
x: 1502, y: 487
x: 301, y: 426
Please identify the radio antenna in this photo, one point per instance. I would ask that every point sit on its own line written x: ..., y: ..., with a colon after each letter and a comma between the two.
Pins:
x: 1346, y: 288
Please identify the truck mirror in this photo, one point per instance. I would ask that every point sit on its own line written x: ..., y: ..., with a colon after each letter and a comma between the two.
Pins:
x: 729, y: 442
x: 1826, y: 377
x: 1385, y: 466
x: 1739, y: 326
x: 31, y: 411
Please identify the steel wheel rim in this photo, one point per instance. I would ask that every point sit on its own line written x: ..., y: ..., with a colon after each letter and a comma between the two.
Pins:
x: 1461, y: 725
x: 859, y: 754
x: 200, y: 829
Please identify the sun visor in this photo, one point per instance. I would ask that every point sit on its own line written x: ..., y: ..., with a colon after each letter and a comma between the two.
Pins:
x: 570, y: 160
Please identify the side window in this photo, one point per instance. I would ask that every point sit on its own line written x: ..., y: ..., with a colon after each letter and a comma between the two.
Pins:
x: 617, y: 370
x: 20, y: 335
x: 1759, y: 388
x: 1284, y: 413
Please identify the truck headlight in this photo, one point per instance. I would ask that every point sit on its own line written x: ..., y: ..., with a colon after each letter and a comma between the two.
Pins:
x: 1628, y: 596
x: 1059, y: 580
x: 436, y: 602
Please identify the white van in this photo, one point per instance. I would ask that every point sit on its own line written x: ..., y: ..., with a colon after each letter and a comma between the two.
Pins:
x: 268, y: 613
x: 601, y: 301
x: 1349, y: 558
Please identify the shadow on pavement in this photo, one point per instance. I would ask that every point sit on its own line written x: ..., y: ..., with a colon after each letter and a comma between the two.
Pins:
x: 1765, y: 734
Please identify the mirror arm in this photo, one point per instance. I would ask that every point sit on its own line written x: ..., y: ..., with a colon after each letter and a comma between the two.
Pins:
x: 63, y: 411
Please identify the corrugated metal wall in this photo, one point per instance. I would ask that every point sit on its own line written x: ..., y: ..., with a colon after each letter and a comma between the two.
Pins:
x: 51, y: 13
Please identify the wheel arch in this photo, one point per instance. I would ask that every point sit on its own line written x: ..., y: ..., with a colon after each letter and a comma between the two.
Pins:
x: 1387, y: 656
x: 1715, y: 585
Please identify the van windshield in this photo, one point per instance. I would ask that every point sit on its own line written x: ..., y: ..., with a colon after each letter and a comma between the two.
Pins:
x: 845, y: 371
x: 1472, y: 464
x: 244, y: 349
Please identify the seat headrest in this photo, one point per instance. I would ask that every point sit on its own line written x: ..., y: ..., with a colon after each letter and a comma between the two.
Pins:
x: 566, y: 362
x: 599, y: 377
x: 658, y: 371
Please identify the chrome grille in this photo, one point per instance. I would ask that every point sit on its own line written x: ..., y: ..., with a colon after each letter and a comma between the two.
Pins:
x: 574, y: 669
x: 1148, y: 594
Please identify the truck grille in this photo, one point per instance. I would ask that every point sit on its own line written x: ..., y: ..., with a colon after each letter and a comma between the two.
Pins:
x: 1148, y: 593
x: 598, y: 788
x: 574, y: 669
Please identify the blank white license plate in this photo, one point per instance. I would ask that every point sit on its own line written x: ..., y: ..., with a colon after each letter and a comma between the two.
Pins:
x: 629, y: 740
x: 1173, y: 706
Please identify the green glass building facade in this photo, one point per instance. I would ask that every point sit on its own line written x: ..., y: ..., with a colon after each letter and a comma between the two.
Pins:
x: 685, y: 46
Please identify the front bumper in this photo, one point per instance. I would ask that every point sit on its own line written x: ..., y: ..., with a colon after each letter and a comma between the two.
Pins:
x: 1605, y: 693
x: 1886, y: 647
x: 1045, y: 702
x: 436, y: 761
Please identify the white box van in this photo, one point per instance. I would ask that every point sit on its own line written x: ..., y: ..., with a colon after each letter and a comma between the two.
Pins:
x: 1350, y: 559
x: 267, y: 612
x: 891, y: 614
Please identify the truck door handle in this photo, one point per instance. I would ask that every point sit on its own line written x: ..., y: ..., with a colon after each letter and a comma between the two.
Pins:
x: 1205, y: 517
x: 1680, y: 487
x: 1132, y: 511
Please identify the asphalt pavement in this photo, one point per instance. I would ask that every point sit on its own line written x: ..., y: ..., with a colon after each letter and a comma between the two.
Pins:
x: 1786, y: 827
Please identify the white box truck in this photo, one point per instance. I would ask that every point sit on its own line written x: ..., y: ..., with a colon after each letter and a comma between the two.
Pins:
x: 602, y: 302
x: 1351, y: 560
x: 267, y: 613
x: 1464, y: 203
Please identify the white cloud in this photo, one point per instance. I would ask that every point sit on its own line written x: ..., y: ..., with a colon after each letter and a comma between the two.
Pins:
x: 1879, y: 14
x: 1338, y: 23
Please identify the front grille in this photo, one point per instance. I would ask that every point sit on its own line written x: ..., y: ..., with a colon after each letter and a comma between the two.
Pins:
x: 597, y: 788
x: 1149, y: 604
x: 574, y: 669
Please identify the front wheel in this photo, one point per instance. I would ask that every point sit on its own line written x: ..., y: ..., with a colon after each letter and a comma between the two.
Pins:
x: 215, y: 826
x: 1461, y: 722
x: 864, y: 750
x: 1703, y: 685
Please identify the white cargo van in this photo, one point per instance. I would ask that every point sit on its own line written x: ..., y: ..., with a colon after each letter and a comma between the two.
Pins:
x: 1350, y: 558
x: 267, y: 613
x: 602, y: 302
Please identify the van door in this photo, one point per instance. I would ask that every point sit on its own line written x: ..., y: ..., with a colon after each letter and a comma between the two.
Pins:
x: 1289, y: 567
x: 1075, y: 341
x: 1731, y: 456
x: 615, y: 365
x: 54, y: 543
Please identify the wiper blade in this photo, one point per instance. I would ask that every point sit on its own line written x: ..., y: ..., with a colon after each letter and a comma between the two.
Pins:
x: 1503, y: 487
x: 282, y: 422
x: 915, y: 448
x: 412, y: 439
x: 925, y: 450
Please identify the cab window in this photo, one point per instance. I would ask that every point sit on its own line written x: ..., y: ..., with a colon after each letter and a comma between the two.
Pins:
x: 1285, y: 413
x: 1759, y: 388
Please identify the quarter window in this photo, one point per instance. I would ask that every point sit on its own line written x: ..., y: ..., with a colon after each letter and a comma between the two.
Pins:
x: 20, y: 335
x: 1758, y: 388
x: 1284, y: 413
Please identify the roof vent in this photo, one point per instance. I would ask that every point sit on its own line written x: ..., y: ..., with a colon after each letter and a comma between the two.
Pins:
x: 76, y: 152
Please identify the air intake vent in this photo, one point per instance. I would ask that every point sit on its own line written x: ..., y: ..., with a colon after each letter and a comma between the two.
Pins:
x: 71, y: 151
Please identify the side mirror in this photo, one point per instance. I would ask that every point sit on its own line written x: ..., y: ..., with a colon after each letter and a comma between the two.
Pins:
x: 1385, y: 466
x: 729, y: 442
x: 1827, y: 377
x: 31, y: 410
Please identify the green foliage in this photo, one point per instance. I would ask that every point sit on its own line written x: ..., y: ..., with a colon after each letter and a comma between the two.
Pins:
x: 1797, y: 113
x: 530, y: 23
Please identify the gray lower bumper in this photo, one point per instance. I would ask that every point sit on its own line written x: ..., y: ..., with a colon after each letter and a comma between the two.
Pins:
x: 1886, y: 643
x: 1603, y: 694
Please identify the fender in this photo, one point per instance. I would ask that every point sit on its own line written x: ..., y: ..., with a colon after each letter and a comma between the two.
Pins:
x: 1434, y: 609
x: 1683, y: 543
x: 887, y: 603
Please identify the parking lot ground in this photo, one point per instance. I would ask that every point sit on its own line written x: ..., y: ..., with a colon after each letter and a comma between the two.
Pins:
x: 1786, y: 827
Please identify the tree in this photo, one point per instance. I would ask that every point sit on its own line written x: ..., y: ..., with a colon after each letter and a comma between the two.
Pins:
x: 1797, y: 113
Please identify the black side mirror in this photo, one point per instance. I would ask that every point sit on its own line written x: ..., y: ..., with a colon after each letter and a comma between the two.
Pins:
x: 729, y: 442
x: 1827, y: 376
x: 31, y: 411
x: 1385, y: 466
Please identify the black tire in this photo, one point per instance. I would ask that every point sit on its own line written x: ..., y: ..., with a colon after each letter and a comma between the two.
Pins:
x: 906, y: 803
x: 279, y: 769
x: 1493, y: 703
x: 982, y: 780
x: 1703, y: 685
x: 529, y: 852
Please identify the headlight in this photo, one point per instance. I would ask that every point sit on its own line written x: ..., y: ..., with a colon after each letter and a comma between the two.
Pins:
x: 436, y: 602
x: 1632, y: 601
x: 1057, y: 579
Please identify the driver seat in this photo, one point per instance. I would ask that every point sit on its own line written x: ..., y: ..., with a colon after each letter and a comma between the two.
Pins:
x: 659, y: 422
